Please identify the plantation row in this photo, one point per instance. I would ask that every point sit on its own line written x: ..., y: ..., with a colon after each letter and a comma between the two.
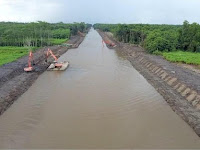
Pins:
x: 38, y: 34
x: 155, y: 38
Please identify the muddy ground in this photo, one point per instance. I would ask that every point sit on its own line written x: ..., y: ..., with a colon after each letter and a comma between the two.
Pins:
x: 179, y: 86
x: 14, y: 81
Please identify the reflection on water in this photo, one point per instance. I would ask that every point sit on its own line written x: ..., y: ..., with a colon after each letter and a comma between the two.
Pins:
x: 101, y: 101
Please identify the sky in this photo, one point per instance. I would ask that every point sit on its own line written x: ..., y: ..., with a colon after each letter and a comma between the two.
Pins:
x: 101, y: 11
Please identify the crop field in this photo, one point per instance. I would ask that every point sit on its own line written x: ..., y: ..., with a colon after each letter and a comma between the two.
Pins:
x: 183, y: 57
x: 58, y: 41
x: 11, y: 53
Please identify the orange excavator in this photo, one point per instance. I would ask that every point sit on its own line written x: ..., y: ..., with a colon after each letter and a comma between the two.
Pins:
x: 108, y: 43
x: 81, y: 34
x: 55, y: 66
x: 30, y: 59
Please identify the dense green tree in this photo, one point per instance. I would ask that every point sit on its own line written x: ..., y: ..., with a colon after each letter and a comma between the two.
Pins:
x: 157, y: 37
x: 160, y: 41
x: 189, y: 36
x: 37, y: 34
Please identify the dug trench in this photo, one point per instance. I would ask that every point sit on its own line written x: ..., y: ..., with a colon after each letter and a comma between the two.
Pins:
x: 179, y: 86
x: 14, y: 81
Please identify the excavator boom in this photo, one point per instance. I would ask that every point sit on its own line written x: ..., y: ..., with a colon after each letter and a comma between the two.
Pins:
x: 50, y: 52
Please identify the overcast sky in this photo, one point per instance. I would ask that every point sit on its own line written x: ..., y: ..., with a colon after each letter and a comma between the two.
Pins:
x: 101, y: 11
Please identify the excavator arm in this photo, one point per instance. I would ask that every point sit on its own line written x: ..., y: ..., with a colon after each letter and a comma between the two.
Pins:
x: 30, y: 58
x: 51, y: 53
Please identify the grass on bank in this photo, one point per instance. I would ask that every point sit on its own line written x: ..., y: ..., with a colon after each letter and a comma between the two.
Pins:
x: 12, y: 53
x: 183, y: 57
x: 58, y: 41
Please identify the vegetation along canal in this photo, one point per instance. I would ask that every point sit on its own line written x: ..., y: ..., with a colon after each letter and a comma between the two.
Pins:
x: 101, y: 101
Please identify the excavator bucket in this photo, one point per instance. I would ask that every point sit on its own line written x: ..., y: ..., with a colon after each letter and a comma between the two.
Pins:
x: 28, y: 69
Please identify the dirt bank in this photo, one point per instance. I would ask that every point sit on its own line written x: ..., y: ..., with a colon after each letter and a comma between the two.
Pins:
x: 179, y: 86
x: 14, y: 81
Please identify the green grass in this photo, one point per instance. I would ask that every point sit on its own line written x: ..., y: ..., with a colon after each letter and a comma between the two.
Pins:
x: 58, y: 41
x: 10, y: 53
x: 183, y: 57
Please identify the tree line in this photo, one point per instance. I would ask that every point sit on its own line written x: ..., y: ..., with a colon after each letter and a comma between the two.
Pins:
x: 37, y: 34
x: 154, y: 37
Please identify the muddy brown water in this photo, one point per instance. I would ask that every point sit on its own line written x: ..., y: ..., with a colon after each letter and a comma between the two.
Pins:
x: 101, y: 101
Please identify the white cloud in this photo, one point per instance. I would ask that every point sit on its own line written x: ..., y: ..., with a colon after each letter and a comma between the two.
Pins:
x: 26, y: 11
x: 105, y: 11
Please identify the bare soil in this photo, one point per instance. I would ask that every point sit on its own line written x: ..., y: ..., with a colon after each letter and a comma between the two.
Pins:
x: 195, y: 68
x: 187, y: 110
x: 14, y: 81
